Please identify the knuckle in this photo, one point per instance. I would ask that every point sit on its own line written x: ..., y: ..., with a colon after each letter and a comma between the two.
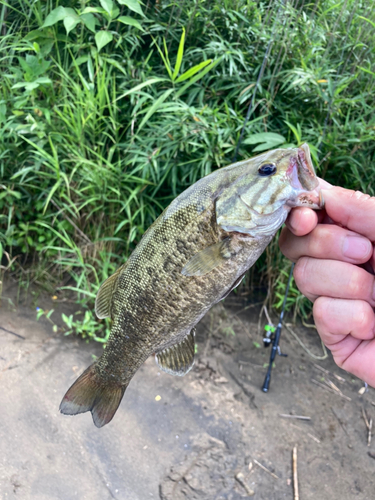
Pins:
x: 324, y: 241
x: 362, y: 318
x: 300, y: 273
x: 321, y: 309
x: 355, y: 285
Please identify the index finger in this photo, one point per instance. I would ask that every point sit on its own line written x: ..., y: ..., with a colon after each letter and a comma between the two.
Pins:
x: 351, y: 209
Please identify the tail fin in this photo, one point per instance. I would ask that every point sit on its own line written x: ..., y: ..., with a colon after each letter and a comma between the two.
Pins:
x: 91, y: 393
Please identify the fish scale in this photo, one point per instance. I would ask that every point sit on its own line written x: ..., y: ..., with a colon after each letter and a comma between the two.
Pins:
x: 191, y: 257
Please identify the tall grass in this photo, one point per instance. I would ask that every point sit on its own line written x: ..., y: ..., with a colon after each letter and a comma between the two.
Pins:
x: 109, y: 109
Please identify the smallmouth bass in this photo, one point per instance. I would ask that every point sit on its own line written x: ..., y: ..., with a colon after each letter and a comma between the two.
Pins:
x: 190, y: 258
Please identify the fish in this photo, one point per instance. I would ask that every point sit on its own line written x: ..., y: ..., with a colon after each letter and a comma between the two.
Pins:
x: 193, y: 255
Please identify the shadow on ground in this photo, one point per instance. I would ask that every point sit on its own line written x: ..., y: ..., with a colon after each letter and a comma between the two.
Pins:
x: 206, y: 436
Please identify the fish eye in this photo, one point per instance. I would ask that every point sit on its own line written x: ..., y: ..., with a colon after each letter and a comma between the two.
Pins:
x: 267, y: 169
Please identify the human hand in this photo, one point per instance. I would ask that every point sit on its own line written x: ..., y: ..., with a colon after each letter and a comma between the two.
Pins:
x: 328, y: 248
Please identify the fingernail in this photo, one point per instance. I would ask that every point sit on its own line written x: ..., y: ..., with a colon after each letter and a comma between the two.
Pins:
x: 356, y: 247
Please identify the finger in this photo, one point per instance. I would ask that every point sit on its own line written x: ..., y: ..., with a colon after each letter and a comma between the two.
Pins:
x: 351, y: 209
x: 301, y: 220
x: 332, y: 278
x: 347, y: 328
x: 327, y: 242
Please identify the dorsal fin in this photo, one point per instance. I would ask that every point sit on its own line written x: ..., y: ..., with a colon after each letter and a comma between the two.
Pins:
x: 206, y: 260
x: 178, y: 359
x: 103, y: 299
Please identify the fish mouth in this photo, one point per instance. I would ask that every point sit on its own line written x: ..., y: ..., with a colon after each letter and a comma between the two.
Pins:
x: 302, y: 177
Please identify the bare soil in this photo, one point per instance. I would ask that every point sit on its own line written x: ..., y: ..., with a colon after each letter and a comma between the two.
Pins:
x: 211, y: 435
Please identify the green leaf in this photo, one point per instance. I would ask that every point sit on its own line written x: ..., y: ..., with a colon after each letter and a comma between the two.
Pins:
x: 68, y: 15
x: 3, y: 112
x: 192, y: 71
x: 90, y: 69
x: 368, y: 20
x: 70, y: 22
x: 130, y: 21
x: 133, y: 5
x: 140, y: 86
x: 296, y: 132
x: 198, y: 76
x: 102, y: 38
x: 89, y: 20
x: 95, y: 10
x: 155, y: 107
x: 180, y: 54
x: 165, y: 59
x: 54, y: 17
x: 107, y: 6
x: 269, y: 140
x: 116, y: 64
x: 50, y: 194
x: 366, y: 70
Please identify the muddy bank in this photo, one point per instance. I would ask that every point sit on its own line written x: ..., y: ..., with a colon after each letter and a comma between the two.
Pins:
x: 211, y: 435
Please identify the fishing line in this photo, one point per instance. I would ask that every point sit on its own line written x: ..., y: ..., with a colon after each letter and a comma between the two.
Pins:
x: 339, y: 73
x: 260, y: 76
x: 274, y: 339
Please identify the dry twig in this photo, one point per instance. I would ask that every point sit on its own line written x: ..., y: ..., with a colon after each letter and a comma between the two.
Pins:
x: 304, y: 430
x: 330, y: 389
x: 298, y: 417
x: 295, y: 475
x: 265, y: 469
x: 241, y: 479
x: 368, y: 424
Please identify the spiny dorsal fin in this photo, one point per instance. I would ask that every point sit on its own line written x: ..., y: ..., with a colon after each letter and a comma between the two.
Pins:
x: 205, y: 261
x: 178, y: 359
x: 103, y: 299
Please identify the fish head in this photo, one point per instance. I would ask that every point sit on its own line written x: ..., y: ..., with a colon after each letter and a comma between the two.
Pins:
x: 267, y: 187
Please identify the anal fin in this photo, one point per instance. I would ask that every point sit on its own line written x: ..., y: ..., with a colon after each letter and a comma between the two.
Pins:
x: 178, y: 359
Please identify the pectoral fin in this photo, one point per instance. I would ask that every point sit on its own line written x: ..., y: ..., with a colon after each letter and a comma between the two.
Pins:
x: 235, y: 284
x: 205, y: 261
x: 178, y: 359
x: 104, y: 297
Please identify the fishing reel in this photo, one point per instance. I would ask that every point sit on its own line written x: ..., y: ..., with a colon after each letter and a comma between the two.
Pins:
x: 269, y: 335
x: 269, y: 338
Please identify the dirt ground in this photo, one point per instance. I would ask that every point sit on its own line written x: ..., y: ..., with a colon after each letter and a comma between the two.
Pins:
x: 212, y: 435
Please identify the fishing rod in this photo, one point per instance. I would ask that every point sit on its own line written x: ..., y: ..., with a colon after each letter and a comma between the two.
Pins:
x: 272, y: 334
x: 273, y: 337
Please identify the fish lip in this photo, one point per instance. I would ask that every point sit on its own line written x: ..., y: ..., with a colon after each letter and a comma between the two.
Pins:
x: 312, y: 199
x: 301, y: 172
x: 306, y: 171
x: 303, y: 179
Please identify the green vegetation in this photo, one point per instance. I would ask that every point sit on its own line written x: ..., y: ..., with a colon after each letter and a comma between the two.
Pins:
x: 110, y: 108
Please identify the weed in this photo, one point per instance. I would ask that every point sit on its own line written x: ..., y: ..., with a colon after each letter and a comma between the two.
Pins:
x: 109, y: 110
